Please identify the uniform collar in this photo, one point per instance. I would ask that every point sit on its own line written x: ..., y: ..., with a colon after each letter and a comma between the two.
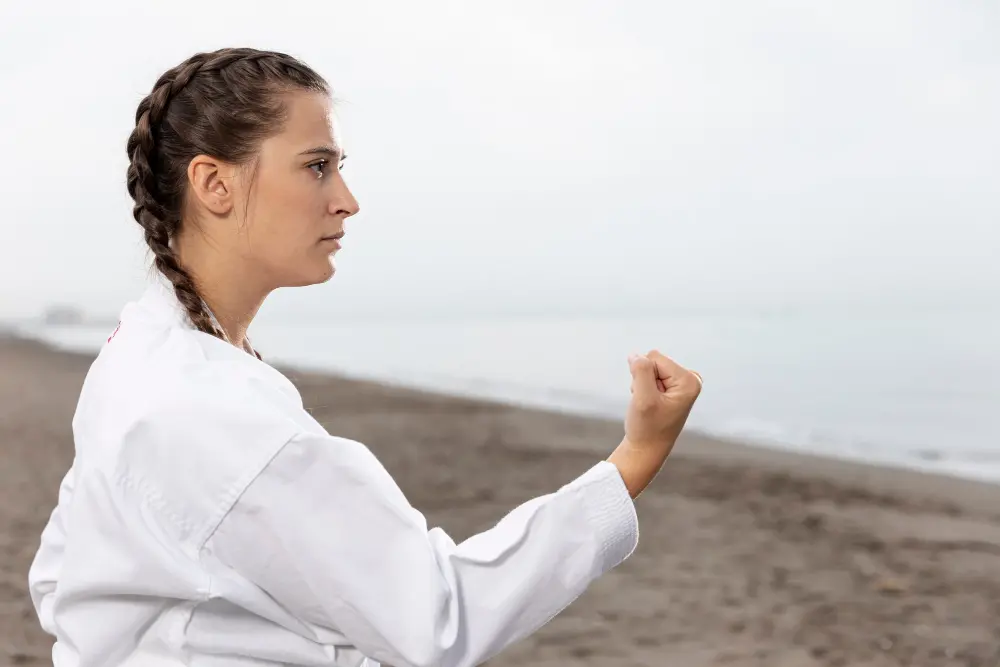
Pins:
x: 162, y: 300
x: 159, y: 300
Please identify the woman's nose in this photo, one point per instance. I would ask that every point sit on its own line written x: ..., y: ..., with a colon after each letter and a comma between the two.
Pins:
x: 344, y: 203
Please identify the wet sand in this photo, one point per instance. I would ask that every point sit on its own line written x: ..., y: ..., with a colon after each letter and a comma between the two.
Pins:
x: 746, y: 556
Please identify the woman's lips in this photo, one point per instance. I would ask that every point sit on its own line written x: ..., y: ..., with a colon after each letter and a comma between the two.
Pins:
x: 333, y: 240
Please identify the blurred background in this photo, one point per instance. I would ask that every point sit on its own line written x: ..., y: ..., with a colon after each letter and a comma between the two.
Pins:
x: 797, y: 199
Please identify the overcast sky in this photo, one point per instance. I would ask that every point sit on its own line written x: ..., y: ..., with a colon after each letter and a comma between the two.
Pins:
x: 530, y: 155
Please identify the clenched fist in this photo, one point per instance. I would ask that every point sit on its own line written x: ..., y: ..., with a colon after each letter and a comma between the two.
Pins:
x: 663, y: 393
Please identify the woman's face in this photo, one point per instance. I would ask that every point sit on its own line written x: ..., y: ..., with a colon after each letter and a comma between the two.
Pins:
x: 290, y: 206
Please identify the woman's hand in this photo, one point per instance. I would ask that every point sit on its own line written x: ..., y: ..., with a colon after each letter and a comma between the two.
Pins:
x: 663, y: 393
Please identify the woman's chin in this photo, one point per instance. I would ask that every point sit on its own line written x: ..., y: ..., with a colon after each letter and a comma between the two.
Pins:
x: 315, y: 273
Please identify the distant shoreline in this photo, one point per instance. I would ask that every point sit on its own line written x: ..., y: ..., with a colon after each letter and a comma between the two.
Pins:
x: 873, y: 474
x: 87, y: 339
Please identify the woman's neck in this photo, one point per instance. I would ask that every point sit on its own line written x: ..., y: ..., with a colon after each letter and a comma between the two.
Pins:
x: 227, y: 286
x: 233, y: 308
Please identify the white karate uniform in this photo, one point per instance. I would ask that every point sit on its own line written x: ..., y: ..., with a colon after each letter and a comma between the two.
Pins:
x: 209, y: 521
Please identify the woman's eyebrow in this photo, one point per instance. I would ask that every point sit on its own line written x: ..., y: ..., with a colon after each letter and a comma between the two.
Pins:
x: 328, y: 151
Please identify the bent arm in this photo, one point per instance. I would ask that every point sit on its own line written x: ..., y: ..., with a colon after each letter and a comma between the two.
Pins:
x: 326, y: 532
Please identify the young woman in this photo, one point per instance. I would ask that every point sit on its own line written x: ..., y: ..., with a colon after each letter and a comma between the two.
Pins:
x: 207, y: 519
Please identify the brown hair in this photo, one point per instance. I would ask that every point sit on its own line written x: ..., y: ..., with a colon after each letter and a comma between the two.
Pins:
x: 223, y: 104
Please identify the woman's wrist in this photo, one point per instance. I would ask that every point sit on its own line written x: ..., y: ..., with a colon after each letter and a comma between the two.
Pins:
x: 637, y: 465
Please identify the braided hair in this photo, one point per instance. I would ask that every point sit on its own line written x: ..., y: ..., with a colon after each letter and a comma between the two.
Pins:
x: 224, y: 104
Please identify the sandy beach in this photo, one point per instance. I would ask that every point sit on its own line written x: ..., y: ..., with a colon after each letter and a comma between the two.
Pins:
x: 746, y: 556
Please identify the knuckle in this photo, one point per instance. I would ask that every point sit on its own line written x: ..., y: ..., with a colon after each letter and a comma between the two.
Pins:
x: 643, y: 363
x: 691, y: 384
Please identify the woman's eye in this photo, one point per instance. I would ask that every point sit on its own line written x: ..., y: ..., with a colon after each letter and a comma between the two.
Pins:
x: 319, y: 168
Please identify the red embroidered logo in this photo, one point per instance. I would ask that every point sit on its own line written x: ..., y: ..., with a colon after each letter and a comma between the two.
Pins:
x: 115, y: 331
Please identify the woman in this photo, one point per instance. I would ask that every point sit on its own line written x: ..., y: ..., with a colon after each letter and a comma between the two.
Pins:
x: 207, y: 519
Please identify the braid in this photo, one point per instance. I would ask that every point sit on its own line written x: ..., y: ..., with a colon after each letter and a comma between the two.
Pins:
x: 184, y: 287
x: 157, y: 222
x: 220, y: 103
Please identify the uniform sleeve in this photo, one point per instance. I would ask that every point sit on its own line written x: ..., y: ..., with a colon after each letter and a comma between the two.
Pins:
x: 44, y: 572
x: 328, y: 534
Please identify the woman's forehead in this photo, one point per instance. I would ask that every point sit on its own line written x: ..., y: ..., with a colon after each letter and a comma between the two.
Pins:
x: 311, y: 121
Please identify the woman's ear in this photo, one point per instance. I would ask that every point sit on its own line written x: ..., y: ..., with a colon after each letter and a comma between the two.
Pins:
x: 212, y: 184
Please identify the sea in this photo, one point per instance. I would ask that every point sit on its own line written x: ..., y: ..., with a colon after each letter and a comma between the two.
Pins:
x: 916, y: 390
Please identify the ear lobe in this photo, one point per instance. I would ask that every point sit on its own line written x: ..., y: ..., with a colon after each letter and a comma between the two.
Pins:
x: 210, y: 182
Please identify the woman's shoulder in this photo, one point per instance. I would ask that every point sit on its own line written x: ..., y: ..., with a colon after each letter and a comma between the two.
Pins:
x: 180, y: 430
x: 153, y: 371
x: 219, y: 409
